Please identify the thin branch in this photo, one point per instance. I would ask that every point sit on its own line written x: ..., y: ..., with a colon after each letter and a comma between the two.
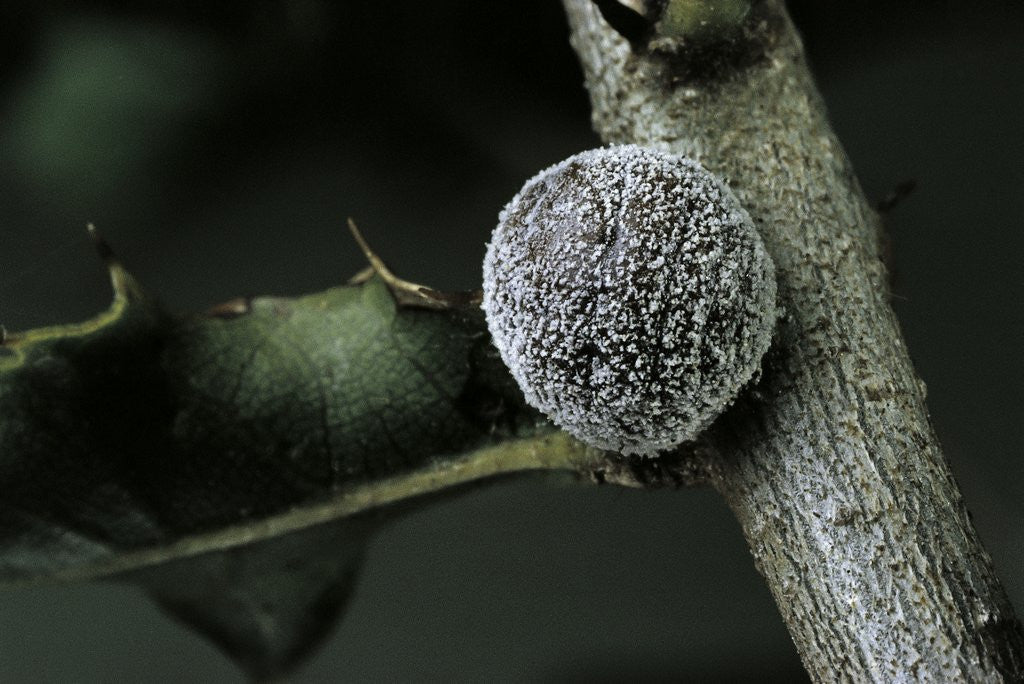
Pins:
x: 830, y: 464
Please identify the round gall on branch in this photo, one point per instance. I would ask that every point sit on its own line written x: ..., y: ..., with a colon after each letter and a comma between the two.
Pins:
x: 630, y: 296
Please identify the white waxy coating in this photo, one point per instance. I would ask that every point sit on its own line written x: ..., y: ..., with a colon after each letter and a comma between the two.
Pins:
x: 630, y: 297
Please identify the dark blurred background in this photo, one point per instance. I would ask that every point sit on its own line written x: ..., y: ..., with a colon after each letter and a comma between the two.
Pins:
x: 220, y: 146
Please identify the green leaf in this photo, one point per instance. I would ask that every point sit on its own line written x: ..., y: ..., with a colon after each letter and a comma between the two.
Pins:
x: 234, y: 463
x: 267, y: 605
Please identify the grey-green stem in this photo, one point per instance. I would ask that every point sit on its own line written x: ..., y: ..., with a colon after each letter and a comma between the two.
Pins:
x: 830, y: 464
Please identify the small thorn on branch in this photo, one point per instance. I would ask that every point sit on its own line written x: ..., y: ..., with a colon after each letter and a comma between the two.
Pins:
x: 361, y: 277
x: 233, y: 308
x: 122, y: 281
x: 405, y: 292
x: 378, y: 265
x: 104, y: 250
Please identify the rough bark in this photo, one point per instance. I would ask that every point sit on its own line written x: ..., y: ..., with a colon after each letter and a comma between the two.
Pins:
x: 830, y: 464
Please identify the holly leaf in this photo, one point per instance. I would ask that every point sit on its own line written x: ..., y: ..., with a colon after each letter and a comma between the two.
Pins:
x: 234, y: 463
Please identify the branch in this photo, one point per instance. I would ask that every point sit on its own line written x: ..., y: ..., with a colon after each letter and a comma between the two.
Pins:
x: 831, y: 464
